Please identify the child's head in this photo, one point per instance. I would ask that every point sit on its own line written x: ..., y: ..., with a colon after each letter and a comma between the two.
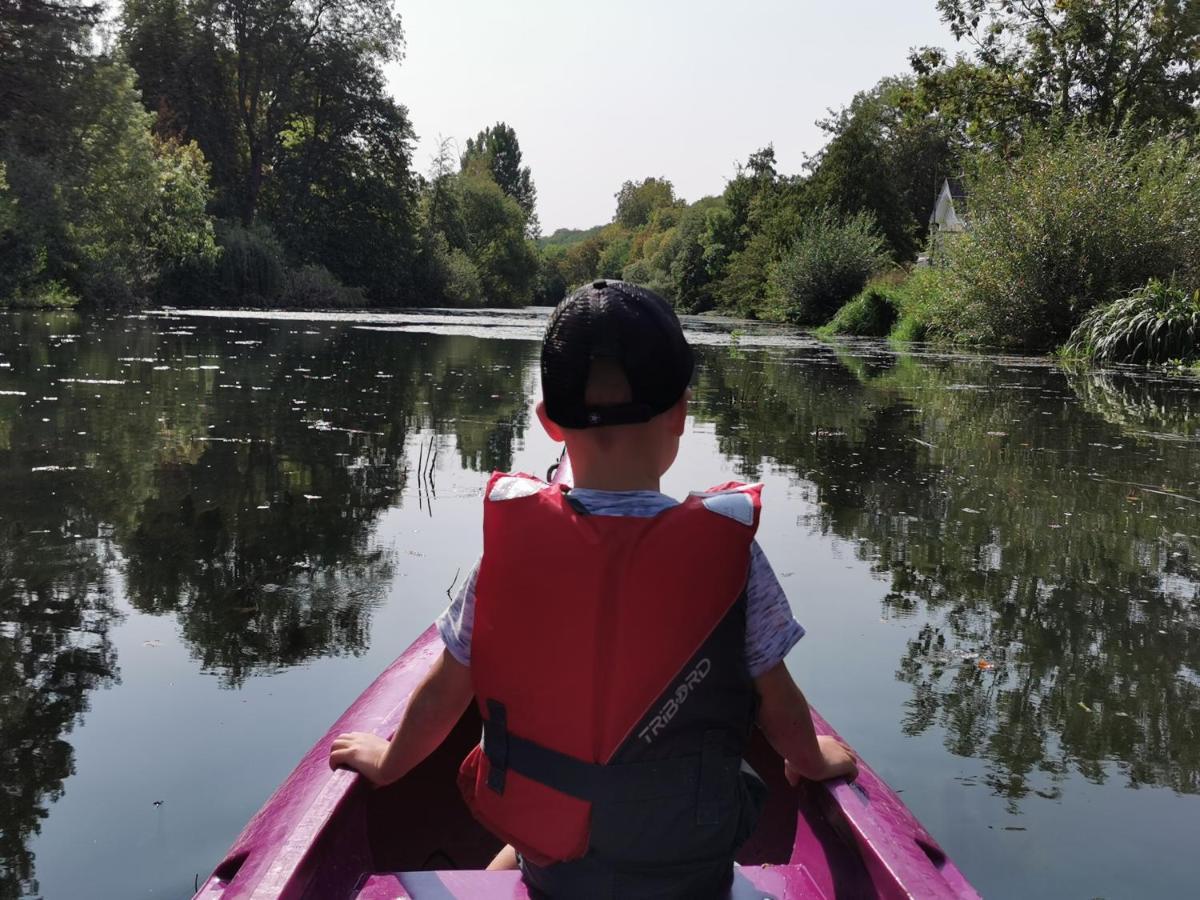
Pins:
x: 615, y: 375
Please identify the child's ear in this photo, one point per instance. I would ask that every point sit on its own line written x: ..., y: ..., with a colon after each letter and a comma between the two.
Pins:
x: 552, y: 429
x: 679, y: 413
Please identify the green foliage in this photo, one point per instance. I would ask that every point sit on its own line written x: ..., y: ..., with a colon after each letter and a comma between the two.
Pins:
x: 551, y: 285
x: 615, y: 255
x: 637, y: 200
x: 1158, y: 323
x: 830, y: 261
x: 181, y: 232
x: 870, y: 314
x: 1110, y: 65
x: 567, y: 237
x: 188, y: 83
x: 315, y: 287
x: 1076, y: 221
x: 463, y: 285
x: 44, y: 295
x: 251, y: 266
x: 8, y: 203
x: 451, y: 278
x: 917, y: 298
x: 111, y: 207
x: 884, y: 157
x: 744, y: 287
x: 496, y: 243
x: 496, y: 152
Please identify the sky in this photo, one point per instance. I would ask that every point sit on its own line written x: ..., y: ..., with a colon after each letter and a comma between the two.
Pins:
x: 604, y: 92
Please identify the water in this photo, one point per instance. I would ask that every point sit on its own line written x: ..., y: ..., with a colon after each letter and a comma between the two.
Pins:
x: 216, y: 530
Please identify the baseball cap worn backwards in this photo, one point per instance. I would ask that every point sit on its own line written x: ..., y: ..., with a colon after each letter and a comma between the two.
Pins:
x: 623, y: 323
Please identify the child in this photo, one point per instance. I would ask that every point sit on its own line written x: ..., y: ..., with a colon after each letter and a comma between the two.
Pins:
x: 620, y: 645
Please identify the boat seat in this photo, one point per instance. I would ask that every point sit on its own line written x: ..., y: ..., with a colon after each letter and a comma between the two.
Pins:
x: 749, y: 883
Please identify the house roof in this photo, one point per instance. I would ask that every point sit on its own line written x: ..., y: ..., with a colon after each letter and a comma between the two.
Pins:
x: 946, y: 207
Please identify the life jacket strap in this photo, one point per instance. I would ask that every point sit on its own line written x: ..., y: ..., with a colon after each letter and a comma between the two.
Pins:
x: 497, y: 749
x: 705, y: 775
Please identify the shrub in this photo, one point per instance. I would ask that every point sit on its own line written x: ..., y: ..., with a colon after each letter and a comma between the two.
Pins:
x: 918, y: 299
x: 315, y: 287
x: 251, y: 267
x: 449, y: 276
x: 1077, y: 221
x: 828, y: 263
x: 1155, y: 324
x: 463, y: 287
x: 870, y: 314
x: 52, y: 294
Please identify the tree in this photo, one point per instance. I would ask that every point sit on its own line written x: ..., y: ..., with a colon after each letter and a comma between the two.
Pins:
x: 273, y: 48
x: 885, y: 157
x: 441, y: 202
x: 126, y: 192
x: 496, y: 244
x: 637, y: 200
x: 188, y: 85
x: 1109, y: 64
x: 41, y: 59
x: 342, y: 193
x: 497, y: 152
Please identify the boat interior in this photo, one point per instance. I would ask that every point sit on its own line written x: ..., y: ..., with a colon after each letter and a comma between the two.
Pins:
x: 421, y: 824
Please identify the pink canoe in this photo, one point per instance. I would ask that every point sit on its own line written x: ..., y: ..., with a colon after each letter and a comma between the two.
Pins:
x: 326, y: 834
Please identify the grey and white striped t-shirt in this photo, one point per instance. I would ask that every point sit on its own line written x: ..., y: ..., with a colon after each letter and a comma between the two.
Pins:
x: 771, y: 629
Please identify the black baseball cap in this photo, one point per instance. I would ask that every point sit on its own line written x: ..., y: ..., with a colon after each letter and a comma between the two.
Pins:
x: 624, y: 323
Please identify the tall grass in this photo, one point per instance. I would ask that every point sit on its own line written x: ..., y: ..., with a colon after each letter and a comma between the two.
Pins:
x: 872, y: 313
x: 1156, y: 324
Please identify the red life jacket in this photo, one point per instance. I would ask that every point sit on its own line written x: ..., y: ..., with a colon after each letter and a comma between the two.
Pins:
x: 608, y: 663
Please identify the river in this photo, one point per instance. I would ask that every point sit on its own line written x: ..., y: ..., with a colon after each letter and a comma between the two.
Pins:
x: 215, y: 530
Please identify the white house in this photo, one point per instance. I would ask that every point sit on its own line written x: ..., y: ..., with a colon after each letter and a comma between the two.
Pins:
x: 948, y: 216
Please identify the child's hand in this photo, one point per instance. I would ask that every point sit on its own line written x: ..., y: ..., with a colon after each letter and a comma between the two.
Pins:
x: 833, y: 759
x: 359, y: 751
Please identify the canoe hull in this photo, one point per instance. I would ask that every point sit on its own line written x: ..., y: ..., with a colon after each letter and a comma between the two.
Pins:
x: 329, y: 833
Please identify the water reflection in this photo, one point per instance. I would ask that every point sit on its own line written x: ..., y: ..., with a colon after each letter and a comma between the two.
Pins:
x: 55, y: 614
x: 231, y: 473
x: 1050, y: 553
x: 1038, y: 528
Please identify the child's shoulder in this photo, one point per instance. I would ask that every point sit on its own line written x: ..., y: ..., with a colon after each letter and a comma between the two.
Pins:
x: 623, y: 503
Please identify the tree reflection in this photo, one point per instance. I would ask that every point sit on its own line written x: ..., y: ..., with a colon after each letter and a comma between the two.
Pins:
x: 234, y: 471
x: 1051, y: 555
x: 55, y: 615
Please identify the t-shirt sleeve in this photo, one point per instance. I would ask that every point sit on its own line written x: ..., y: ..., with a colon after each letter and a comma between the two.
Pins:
x: 458, y: 621
x: 771, y: 629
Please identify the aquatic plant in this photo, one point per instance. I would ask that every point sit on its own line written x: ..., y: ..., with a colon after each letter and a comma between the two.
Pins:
x: 1155, y: 324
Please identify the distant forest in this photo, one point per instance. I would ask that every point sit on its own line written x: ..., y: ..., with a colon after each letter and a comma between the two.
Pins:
x: 246, y: 152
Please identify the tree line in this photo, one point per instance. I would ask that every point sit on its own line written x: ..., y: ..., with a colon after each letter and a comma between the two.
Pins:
x: 240, y: 152
x: 1070, y: 128
x: 247, y: 152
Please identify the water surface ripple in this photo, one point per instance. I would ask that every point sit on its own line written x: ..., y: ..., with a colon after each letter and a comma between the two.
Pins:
x: 215, y: 529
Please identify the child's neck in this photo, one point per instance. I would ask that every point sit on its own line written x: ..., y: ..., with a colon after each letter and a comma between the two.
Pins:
x: 597, y: 478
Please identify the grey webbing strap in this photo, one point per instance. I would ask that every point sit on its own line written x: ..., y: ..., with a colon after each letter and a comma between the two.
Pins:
x: 496, y: 750
x: 700, y: 774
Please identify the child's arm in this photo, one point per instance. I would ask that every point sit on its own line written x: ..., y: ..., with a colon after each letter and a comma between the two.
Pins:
x: 784, y: 717
x: 433, y: 710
